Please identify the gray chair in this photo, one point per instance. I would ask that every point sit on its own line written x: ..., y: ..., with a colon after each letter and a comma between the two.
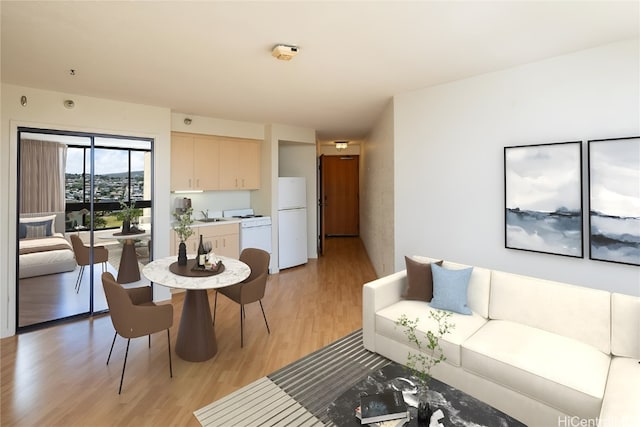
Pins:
x: 134, y: 315
x: 251, y: 289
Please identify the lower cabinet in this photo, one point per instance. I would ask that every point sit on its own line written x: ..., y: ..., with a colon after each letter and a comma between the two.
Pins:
x: 224, y: 238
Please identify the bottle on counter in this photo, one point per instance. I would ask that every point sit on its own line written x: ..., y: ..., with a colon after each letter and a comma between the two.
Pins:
x: 201, y: 254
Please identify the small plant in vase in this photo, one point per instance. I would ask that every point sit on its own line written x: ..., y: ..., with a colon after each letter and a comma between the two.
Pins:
x: 428, y: 355
x: 183, y: 229
x: 128, y: 214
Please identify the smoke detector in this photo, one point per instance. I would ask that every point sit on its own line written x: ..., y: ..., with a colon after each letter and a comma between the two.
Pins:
x: 284, y: 52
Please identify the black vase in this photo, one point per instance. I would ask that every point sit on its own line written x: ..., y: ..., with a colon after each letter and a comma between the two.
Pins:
x: 424, y: 411
x: 126, y: 226
x: 182, y: 254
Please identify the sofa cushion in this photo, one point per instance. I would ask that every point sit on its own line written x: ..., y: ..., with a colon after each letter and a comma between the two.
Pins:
x: 561, y: 372
x: 419, y: 280
x: 450, y: 289
x: 625, y: 325
x: 620, y: 407
x: 479, y: 285
x: 465, y: 326
x: 576, y: 312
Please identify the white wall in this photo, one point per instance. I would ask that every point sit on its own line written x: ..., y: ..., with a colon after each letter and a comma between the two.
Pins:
x: 45, y: 110
x: 449, y: 139
x: 376, y: 194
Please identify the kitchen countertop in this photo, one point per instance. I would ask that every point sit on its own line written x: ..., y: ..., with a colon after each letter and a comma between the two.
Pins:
x: 199, y: 223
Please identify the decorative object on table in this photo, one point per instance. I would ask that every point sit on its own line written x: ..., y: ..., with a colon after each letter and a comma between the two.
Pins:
x: 614, y: 200
x: 183, y: 229
x: 429, y: 354
x: 190, y: 269
x: 385, y: 406
x: 128, y: 214
x: 543, y: 198
x: 202, y: 254
x: 214, y: 267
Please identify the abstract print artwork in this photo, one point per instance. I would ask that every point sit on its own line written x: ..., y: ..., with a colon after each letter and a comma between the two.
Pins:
x: 543, y: 198
x: 614, y: 200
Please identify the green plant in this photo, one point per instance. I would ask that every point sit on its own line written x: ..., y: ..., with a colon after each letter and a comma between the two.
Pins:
x: 182, y: 226
x: 128, y: 212
x: 429, y: 352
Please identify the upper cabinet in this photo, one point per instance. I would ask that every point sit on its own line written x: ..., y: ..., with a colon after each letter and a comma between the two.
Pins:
x: 240, y: 164
x: 209, y: 162
x: 194, y: 162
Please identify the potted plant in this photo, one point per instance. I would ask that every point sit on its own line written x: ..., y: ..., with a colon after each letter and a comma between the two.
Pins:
x: 128, y: 214
x: 428, y: 355
x: 183, y: 229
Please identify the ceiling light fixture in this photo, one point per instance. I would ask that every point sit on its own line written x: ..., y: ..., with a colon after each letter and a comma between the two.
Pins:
x: 284, y: 52
x: 341, y: 145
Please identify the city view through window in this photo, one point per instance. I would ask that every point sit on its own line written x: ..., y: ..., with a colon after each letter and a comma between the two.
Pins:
x: 121, y: 174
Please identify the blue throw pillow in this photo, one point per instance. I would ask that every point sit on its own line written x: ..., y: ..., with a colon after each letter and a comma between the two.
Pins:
x: 450, y: 289
x: 47, y: 224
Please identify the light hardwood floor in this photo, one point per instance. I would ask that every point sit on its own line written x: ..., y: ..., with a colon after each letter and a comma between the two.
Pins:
x: 58, y: 376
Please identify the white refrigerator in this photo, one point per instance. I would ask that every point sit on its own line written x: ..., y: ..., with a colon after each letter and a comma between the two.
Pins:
x: 292, y: 221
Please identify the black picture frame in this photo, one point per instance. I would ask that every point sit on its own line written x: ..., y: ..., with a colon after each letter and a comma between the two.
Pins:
x: 543, y: 198
x: 614, y: 200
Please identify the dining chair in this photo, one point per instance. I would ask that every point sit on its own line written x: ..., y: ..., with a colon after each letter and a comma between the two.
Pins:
x: 133, y: 315
x: 251, y: 289
x: 83, y: 257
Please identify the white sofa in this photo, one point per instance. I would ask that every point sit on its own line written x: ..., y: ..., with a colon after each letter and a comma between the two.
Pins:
x: 546, y: 353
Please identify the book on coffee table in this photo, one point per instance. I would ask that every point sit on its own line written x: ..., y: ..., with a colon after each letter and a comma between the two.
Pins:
x: 385, y: 406
x: 398, y: 422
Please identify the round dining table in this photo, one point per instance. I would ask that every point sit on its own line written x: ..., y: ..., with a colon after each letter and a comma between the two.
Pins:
x: 128, y: 270
x: 196, y: 340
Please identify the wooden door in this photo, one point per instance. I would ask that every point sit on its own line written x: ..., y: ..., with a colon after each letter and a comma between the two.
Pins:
x: 340, y: 196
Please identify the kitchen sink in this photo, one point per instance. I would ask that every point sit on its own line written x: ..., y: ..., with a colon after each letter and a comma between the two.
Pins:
x: 210, y: 219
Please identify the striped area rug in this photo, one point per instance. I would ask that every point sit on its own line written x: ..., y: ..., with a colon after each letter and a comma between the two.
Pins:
x: 299, y: 393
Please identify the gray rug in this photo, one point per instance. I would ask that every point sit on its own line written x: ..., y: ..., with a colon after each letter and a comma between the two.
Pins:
x: 299, y: 393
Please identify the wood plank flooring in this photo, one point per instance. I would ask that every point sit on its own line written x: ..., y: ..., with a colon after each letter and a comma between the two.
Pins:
x: 58, y: 376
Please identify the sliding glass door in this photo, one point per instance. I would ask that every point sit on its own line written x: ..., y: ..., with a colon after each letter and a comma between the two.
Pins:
x: 70, y: 218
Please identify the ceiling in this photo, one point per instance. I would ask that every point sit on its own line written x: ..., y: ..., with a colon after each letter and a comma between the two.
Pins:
x: 213, y: 58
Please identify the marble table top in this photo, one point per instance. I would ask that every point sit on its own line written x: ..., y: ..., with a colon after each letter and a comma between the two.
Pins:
x: 459, y: 408
x: 158, y: 272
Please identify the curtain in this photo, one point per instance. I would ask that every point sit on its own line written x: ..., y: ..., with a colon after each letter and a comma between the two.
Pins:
x: 42, y: 176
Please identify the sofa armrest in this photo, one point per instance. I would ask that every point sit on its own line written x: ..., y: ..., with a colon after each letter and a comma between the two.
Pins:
x: 376, y: 295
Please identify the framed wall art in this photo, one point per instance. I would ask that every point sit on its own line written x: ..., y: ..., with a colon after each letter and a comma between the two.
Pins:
x: 614, y: 200
x: 543, y: 198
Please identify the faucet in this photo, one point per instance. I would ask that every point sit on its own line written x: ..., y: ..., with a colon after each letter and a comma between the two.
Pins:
x: 205, y: 214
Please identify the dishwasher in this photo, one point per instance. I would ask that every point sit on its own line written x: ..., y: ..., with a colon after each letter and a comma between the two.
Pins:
x: 255, y: 230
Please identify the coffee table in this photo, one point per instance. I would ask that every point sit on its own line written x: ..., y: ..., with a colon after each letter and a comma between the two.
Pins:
x: 459, y: 408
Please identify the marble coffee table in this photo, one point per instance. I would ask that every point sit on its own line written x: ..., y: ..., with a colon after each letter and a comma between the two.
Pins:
x: 459, y: 408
